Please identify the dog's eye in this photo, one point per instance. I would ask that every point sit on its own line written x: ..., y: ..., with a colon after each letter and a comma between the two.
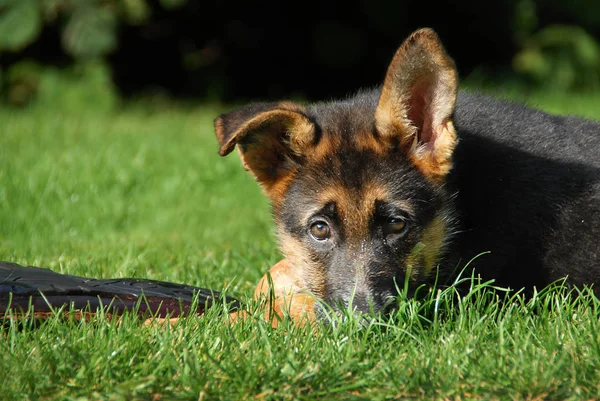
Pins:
x: 320, y: 230
x: 395, y: 225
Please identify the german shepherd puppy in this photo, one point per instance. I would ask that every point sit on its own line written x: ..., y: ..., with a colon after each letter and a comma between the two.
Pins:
x: 415, y: 179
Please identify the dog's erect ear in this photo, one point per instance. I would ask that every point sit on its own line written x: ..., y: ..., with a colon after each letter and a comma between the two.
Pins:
x: 271, y: 138
x: 417, y: 102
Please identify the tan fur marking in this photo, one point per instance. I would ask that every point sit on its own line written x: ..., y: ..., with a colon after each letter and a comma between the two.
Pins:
x: 301, y: 131
x: 325, y: 148
x: 426, y: 253
x: 434, y: 238
x: 356, y: 209
x: 366, y: 141
x: 276, y: 190
x: 362, y: 141
x: 308, y: 273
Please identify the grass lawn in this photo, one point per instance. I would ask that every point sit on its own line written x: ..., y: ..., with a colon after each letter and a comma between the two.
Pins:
x: 141, y: 194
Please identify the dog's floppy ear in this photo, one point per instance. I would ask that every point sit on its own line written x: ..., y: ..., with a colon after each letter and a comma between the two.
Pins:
x: 271, y: 138
x: 417, y: 102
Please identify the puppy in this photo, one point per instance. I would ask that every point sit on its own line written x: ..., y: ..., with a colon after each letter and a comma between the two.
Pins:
x: 408, y: 183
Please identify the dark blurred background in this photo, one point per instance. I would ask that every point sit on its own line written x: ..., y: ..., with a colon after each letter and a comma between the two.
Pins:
x: 232, y: 51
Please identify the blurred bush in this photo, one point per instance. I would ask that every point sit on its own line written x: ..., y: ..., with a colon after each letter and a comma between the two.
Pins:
x: 558, y: 56
x: 88, y: 33
x: 88, y: 27
x: 235, y: 50
x: 85, y: 85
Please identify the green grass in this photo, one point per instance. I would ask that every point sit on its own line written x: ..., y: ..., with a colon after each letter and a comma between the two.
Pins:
x: 145, y: 194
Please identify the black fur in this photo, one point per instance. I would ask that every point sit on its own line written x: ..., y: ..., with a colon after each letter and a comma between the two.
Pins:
x: 528, y: 191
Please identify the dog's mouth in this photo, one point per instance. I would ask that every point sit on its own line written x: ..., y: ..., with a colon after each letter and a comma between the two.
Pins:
x: 382, y: 304
x: 332, y: 315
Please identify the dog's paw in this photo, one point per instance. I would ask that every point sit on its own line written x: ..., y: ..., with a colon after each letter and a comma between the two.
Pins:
x: 283, y: 295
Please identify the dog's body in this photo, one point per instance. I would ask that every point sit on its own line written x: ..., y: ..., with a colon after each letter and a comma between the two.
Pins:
x: 528, y: 191
x: 381, y: 188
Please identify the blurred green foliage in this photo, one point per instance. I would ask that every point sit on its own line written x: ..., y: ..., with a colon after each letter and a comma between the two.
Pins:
x: 558, y: 56
x: 541, y: 43
x: 85, y: 85
x: 88, y: 31
x: 88, y: 27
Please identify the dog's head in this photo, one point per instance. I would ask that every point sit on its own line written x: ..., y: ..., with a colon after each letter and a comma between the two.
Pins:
x: 357, y: 186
